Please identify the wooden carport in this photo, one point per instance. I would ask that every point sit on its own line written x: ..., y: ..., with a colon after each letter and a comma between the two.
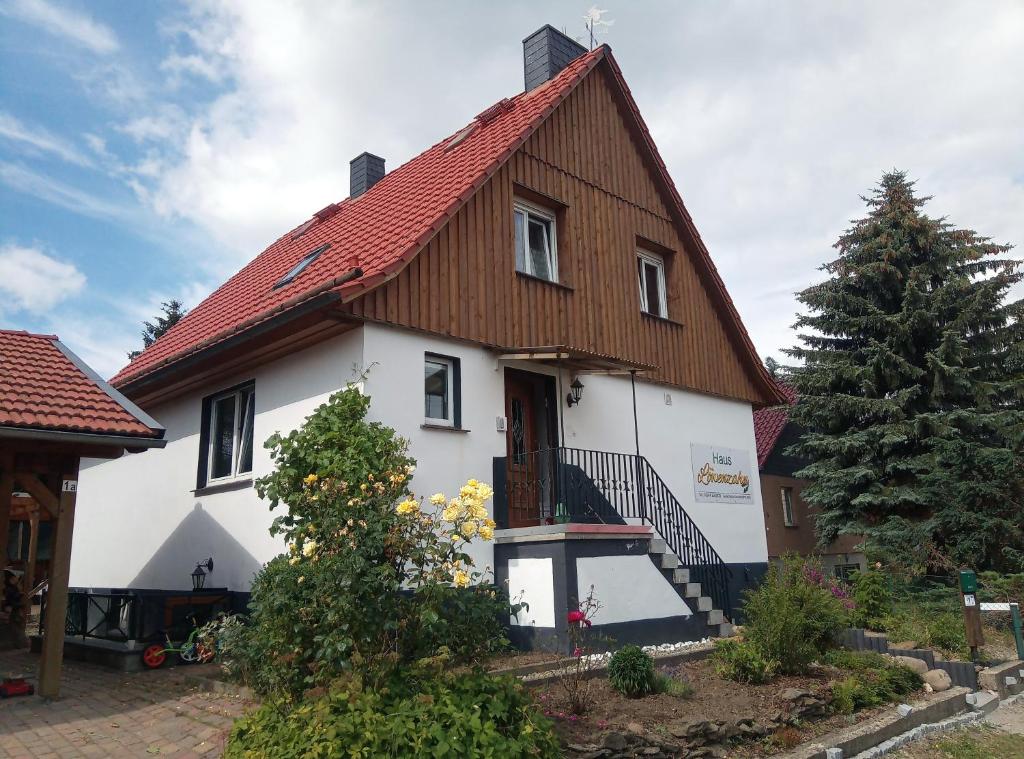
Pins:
x: 55, y: 411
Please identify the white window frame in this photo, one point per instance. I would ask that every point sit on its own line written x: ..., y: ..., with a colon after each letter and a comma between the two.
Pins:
x: 788, y: 512
x: 238, y: 436
x: 645, y: 256
x: 449, y: 364
x: 542, y: 214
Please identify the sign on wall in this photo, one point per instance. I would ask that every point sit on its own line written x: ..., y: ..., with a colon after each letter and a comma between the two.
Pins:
x: 720, y: 475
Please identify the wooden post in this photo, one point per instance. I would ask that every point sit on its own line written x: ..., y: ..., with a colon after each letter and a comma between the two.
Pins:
x: 6, y: 496
x: 57, y: 595
x: 972, y: 611
x: 33, y: 555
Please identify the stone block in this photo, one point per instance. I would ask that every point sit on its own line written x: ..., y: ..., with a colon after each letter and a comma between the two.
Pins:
x: 939, y: 679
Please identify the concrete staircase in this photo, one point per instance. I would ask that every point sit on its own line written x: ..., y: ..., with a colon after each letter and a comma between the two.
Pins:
x: 679, y: 577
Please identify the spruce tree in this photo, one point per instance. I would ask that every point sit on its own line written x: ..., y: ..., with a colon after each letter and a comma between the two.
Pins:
x: 172, y: 313
x: 910, y: 388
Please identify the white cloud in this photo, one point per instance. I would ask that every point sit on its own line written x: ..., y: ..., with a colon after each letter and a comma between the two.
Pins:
x: 33, y: 281
x: 39, y: 139
x: 64, y: 22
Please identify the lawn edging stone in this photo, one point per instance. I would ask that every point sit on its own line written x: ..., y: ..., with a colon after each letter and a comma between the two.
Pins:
x: 866, y: 736
x: 1006, y: 679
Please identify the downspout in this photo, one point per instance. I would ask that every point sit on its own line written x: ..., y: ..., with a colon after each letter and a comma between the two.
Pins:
x: 642, y: 491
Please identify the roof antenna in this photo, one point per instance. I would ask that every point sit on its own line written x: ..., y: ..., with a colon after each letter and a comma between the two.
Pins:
x: 595, y: 24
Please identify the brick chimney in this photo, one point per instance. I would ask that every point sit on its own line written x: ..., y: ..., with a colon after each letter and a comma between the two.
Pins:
x: 546, y: 52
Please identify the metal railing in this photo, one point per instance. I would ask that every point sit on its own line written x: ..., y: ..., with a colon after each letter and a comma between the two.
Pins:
x: 579, y: 485
x: 137, y: 615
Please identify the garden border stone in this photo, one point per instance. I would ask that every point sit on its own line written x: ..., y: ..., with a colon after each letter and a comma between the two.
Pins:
x: 995, y: 678
x: 962, y: 673
x: 859, y: 738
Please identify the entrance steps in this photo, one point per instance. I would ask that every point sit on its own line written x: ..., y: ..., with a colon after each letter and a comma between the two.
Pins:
x: 679, y: 577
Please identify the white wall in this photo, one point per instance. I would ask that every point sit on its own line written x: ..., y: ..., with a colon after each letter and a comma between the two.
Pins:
x: 602, y: 421
x: 138, y: 522
x: 628, y: 587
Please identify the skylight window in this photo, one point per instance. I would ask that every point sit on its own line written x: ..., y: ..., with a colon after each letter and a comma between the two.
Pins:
x: 301, y: 265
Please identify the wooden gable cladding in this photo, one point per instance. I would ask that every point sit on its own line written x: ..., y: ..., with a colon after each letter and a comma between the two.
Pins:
x: 464, y: 284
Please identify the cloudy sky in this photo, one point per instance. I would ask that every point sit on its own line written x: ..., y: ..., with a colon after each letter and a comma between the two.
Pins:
x: 148, y: 150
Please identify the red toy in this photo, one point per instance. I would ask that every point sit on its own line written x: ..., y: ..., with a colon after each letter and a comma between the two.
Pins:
x: 16, y: 686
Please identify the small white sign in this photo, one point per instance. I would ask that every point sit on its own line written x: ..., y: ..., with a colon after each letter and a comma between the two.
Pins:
x: 969, y: 600
x: 720, y: 475
x: 69, y: 486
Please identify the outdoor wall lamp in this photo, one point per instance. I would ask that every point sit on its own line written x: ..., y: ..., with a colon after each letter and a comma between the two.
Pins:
x: 576, y: 388
x: 199, y: 576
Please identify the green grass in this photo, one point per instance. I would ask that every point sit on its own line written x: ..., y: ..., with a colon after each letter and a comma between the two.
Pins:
x: 978, y: 743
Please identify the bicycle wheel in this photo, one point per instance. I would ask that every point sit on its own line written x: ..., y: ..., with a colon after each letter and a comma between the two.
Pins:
x: 154, y: 656
x: 188, y: 653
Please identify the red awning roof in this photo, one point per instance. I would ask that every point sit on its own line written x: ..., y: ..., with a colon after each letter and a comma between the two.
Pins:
x: 770, y: 422
x: 43, y: 386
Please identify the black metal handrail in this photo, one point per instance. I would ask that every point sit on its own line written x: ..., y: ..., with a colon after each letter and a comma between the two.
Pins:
x: 128, y: 614
x: 580, y: 485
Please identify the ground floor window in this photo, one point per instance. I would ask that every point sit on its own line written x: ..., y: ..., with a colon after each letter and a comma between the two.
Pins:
x: 788, y: 517
x: 441, y: 390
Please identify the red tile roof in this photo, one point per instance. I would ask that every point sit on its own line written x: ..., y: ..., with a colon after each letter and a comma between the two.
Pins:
x: 770, y: 422
x: 378, y: 232
x: 43, y: 386
x: 374, y: 236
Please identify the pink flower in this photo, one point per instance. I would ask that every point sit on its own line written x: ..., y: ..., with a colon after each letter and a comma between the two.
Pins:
x: 577, y: 651
x: 578, y: 617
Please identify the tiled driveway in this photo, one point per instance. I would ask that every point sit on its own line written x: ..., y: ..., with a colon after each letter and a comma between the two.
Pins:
x: 103, y: 713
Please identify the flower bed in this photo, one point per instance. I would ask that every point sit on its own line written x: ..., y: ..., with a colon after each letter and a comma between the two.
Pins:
x: 751, y: 720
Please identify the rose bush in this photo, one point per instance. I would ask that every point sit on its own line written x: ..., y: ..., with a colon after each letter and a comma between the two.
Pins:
x: 368, y: 582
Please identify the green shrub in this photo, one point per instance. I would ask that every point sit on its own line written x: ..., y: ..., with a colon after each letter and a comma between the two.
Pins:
x: 874, y: 680
x: 794, y: 615
x: 367, y: 583
x: 631, y: 672
x: 672, y: 686
x: 873, y: 599
x: 743, y: 661
x: 474, y: 715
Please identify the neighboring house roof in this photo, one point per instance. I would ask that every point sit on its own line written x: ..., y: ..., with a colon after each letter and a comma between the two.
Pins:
x: 374, y: 236
x: 45, y: 387
x: 770, y: 422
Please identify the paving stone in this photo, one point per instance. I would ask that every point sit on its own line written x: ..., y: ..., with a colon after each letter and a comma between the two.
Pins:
x: 103, y: 713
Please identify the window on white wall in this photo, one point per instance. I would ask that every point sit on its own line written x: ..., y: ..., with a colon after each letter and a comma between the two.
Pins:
x: 441, y: 391
x: 651, y: 276
x: 536, y: 248
x: 227, y: 440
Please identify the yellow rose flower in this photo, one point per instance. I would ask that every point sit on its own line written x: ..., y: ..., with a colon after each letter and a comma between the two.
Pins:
x: 309, y: 548
x: 472, y: 483
x: 408, y: 506
x: 310, y: 479
x: 293, y: 560
x: 451, y: 511
x: 460, y: 578
x: 478, y: 511
x: 490, y: 523
x: 468, y: 529
x: 438, y: 499
x: 487, y: 533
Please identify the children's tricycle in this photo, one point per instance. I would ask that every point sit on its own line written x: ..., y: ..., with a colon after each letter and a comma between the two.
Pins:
x: 16, y: 686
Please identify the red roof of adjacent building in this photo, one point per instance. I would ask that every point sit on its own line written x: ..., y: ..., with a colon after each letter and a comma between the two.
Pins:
x: 372, y: 237
x: 770, y: 422
x: 43, y: 386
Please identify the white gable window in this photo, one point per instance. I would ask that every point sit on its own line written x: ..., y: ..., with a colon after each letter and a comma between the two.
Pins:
x: 231, y: 416
x: 651, y: 276
x: 536, y: 250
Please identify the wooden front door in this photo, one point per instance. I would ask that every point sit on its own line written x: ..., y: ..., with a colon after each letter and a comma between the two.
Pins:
x: 521, y: 436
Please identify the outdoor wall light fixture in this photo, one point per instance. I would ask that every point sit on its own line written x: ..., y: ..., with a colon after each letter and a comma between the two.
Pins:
x: 576, y: 388
x: 199, y: 576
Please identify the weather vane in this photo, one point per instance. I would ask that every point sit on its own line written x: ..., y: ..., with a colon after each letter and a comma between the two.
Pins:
x: 595, y: 23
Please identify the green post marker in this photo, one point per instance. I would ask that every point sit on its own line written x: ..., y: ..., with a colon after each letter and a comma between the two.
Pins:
x: 972, y: 612
x: 1017, y: 636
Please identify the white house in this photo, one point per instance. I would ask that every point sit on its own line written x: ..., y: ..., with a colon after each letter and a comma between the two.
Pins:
x: 530, y: 304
